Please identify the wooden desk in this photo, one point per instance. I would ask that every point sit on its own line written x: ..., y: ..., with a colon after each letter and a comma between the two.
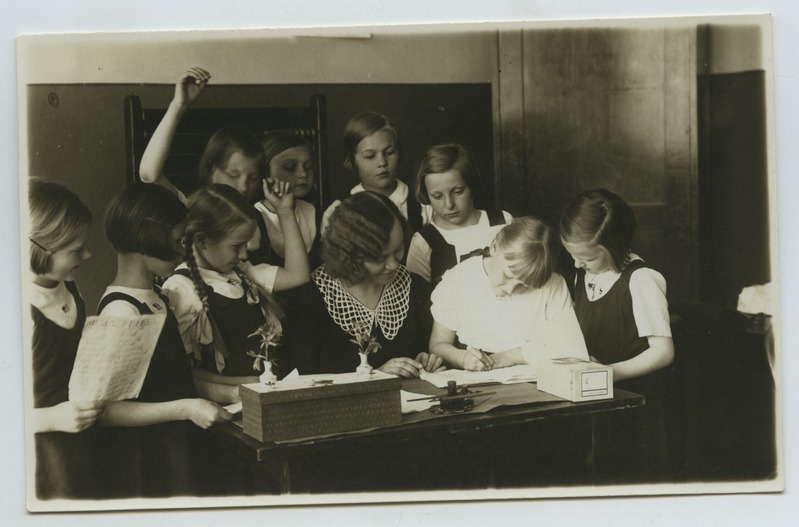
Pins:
x: 470, y: 450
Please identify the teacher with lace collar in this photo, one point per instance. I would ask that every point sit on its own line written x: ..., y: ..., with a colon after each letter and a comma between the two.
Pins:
x: 362, y: 296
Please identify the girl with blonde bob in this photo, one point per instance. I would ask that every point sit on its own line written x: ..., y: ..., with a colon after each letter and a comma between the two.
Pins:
x: 508, y: 306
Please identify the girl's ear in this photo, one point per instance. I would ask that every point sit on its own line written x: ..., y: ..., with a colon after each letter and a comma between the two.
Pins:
x: 492, y: 249
x: 199, y: 241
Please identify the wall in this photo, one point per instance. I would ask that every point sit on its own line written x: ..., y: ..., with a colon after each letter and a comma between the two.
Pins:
x: 608, y: 108
x: 733, y: 153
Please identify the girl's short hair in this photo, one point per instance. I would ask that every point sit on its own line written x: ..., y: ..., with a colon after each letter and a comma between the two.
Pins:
x: 529, y: 246
x: 361, y: 126
x: 600, y: 217
x: 58, y: 217
x: 443, y: 158
x: 224, y: 143
x: 140, y: 219
x: 359, y: 229
x: 276, y: 142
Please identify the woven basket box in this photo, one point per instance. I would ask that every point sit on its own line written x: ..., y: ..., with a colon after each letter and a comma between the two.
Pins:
x: 314, y: 405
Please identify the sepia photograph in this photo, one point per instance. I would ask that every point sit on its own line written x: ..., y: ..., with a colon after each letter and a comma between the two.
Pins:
x: 400, y: 264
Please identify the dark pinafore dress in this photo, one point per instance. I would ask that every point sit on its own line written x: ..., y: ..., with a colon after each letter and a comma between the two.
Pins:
x: 442, y: 256
x: 608, y: 325
x: 65, y: 466
x: 156, y: 460
x: 236, y: 319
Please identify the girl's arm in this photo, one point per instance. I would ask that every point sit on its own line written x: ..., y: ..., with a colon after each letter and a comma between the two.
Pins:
x: 296, y: 270
x: 659, y: 355
x: 132, y: 413
x: 69, y: 416
x: 187, y: 89
x: 221, y: 389
x: 442, y: 343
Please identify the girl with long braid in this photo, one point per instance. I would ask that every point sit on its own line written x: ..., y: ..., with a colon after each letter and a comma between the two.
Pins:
x: 222, y: 301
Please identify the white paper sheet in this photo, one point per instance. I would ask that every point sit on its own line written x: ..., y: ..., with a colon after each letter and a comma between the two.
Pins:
x: 510, y: 375
x: 113, y: 356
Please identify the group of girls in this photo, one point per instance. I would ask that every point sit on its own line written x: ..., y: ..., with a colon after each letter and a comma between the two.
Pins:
x: 235, y: 255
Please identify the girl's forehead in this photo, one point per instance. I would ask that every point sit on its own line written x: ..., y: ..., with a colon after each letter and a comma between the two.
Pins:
x: 242, y: 232
x: 295, y: 152
x: 582, y: 247
x: 377, y: 141
x: 444, y: 179
x: 239, y: 160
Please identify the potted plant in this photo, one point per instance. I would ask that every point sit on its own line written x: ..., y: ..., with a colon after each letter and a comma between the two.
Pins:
x: 367, y: 344
x: 270, y: 336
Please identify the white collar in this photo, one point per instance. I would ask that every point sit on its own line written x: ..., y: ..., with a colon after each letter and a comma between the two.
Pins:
x: 399, y: 196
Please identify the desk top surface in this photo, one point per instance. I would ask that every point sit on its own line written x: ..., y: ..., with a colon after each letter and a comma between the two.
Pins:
x: 430, y: 428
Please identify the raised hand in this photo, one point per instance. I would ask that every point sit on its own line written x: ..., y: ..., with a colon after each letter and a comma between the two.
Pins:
x: 190, y: 85
x: 278, y: 195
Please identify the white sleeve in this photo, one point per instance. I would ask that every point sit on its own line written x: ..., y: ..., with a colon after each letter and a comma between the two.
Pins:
x: 119, y: 308
x: 559, y: 335
x: 445, y: 301
x: 186, y: 304
x: 262, y: 275
x: 419, y: 257
x: 508, y: 216
x: 650, y: 307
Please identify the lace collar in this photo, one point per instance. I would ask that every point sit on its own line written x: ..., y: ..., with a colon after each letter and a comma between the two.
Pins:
x: 350, y: 314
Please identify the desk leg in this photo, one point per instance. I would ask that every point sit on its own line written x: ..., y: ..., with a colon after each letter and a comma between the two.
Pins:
x: 600, y: 447
x: 284, y: 476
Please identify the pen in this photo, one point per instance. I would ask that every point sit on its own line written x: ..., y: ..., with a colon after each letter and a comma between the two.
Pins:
x: 452, y: 397
x: 485, y: 359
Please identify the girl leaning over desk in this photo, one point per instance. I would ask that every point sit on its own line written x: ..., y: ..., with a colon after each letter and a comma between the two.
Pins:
x: 507, y: 306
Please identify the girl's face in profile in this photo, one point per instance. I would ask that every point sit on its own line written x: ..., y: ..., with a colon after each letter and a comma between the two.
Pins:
x: 225, y: 254
x: 451, y: 199
x: 66, y: 260
x: 242, y: 173
x: 382, y: 271
x: 592, y: 257
x: 376, y: 159
x: 296, y: 166
x: 502, y: 281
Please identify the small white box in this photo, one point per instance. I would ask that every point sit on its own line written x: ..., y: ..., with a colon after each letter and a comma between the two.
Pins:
x: 575, y: 379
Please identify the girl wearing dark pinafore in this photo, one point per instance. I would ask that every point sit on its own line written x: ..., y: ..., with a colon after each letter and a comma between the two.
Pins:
x: 219, y: 298
x: 623, y: 313
x: 64, y: 435
x: 447, y: 179
x: 147, y: 442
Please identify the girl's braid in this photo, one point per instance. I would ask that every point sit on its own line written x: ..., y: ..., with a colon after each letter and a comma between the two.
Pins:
x: 203, y: 289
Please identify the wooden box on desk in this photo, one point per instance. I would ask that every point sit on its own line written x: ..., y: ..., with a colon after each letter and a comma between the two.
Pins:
x: 312, y: 405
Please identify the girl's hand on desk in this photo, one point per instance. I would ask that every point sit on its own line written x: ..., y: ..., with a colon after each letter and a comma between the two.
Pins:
x: 75, y: 416
x: 205, y: 413
x: 476, y: 360
x: 431, y: 362
x: 402, y: 366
